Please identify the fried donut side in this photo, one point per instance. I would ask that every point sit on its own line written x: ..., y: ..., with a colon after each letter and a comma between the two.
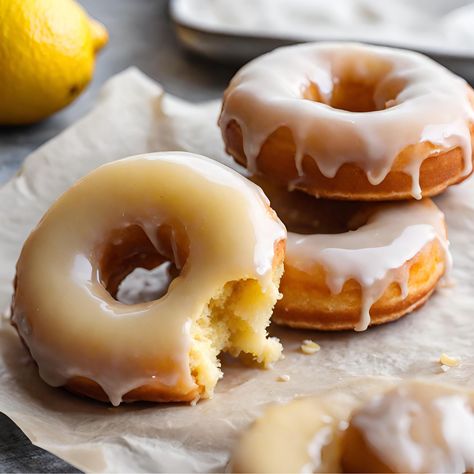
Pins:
x: 276, y: 160
x: 308, y: 303
x: 141, y: 212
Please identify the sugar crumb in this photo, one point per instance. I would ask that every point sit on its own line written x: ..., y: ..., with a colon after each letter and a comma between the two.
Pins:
x: 448, y: 361
x: 309, y: 347
x: 283, y: 378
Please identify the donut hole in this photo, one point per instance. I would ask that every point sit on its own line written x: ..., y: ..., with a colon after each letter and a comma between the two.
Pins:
x: 137, y: 266
x: 142, y: 285
x: 358, y: 84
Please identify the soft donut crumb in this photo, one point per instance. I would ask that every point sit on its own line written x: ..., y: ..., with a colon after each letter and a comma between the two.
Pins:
x: 449, y: 361
x: 283, y: 378
x: 309, y: 347
x: 235, y: 321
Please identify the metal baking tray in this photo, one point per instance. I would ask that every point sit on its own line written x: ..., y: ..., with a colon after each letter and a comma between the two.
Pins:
x: 235, y: 48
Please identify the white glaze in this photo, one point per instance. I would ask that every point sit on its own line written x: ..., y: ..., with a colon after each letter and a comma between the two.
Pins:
x: 432, y: 106
x: 73, y: 326
x: 418, y: 429
x: 375, y: 254
x: 315, y: 448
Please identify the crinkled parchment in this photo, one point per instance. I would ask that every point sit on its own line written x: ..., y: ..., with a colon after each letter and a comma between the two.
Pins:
x: 135, y: 116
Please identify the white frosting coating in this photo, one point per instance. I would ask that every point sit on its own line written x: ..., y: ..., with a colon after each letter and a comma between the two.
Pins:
x: 315, y: 448
x: 415, y: 428
x: 374, y: 255
x: 416, y: 100
x: 74, y: 327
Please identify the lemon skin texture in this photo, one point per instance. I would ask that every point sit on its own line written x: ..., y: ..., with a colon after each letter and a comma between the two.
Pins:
x: 47, y: 57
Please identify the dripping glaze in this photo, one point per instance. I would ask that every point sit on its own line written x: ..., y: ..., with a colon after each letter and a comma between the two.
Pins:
x: 373, y: 255
x: 431, y: 106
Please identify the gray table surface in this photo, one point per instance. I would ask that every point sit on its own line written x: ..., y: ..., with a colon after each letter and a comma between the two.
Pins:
x: 142, y: 35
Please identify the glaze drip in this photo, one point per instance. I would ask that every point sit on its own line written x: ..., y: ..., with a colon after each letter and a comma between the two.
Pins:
x: 375, y: 254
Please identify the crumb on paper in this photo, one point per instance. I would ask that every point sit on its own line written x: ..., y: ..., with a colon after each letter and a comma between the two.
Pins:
x: 448, y: 361
x: 283, y: 378
x: 309, y: 347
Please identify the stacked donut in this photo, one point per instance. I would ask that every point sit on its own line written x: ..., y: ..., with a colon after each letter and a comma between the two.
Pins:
x: 365, y: 125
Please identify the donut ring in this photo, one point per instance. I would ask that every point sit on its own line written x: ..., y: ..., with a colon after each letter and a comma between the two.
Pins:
x: 350, y: 121
x: 213, y: 224
x: 444, y: 415
x: 371, y: 426
x: 351, y: 265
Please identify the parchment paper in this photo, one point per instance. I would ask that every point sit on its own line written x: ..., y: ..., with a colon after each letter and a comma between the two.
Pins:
x: 135, y: 116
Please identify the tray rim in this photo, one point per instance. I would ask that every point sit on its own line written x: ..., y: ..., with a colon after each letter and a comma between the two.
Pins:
x: 219, y: 33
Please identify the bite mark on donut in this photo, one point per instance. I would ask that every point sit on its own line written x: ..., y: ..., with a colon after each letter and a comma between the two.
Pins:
x: 234, y: 322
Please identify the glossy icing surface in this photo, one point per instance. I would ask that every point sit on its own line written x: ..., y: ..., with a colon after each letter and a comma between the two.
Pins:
x: 72, y: 324
x: 297, y: 87
x: 375, y: 254
x: 419, y: 428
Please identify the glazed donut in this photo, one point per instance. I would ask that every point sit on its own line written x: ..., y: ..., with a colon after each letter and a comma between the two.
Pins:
x: 350, y: 121
x: 415, y: 427
x: 349, y: 265
x: 214, y: 225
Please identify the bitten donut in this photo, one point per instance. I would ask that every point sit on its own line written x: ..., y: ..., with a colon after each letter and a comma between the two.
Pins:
x: 216, y: 227
x: 413, y: 427
x: 349, y: 265
x: 351, y: 121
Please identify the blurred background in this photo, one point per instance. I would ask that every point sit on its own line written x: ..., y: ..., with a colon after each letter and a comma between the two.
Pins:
x: 194, y: 48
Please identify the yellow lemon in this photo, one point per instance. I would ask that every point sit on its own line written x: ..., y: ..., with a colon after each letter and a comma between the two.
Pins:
x: 47, y: 56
